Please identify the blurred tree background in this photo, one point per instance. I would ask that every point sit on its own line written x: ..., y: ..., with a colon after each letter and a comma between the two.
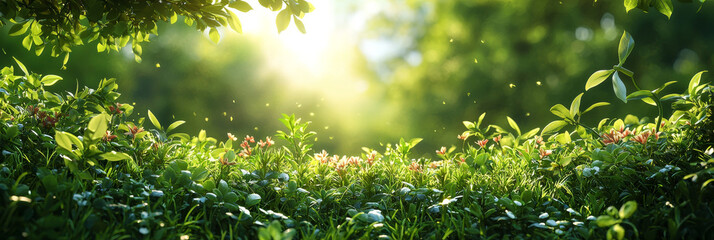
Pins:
x: 370, y: 72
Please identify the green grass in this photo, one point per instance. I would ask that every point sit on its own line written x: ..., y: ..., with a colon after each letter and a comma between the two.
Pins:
x: 71, y: 179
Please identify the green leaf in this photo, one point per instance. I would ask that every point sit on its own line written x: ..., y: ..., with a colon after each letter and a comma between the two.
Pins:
x: 214, y: 35
x: 153, y: 120
x: 619, y: 87
x: 598, y: 104
x: 630, y: 4
x: 50, y: 80
x: 299, y: 24
x: 175, y: 125
x: 628, y: 209
x: 575, y: 105
x: 283, y: 20
x: 252, y: 199
x: 694, y: 83
x: 659, y: 89
x: 616, y: 232
x: 22, y: 66
x: 606, y: 221
x: 597, y: 77
x: 202, y: 135
x: 641, y: 94
x: 481, y: 159
x: 235, y: 22
x: 530, y: 133
x: 469, y: 125
x: 563, y: 138
x: 480, y: 119
x: 414, y: 141
x: 513, y: 125
x: 554, y: 126
x: 27, y: 42
x: 625, y: 47
x: 19, y: 28
x: 664, y: 6
x: 560, y: 111
x: 174, y: 18
x: 98, y: 126
x: 50, y: 182
x: 63, y: 140
x: 115, y: 156
x: 240, y: 6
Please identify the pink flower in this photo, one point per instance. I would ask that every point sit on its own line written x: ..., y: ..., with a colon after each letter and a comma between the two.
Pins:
x: 415, y: 167
x: 463, y: 136
x: 497, y: 138
x: 544, y: 153
x: 482, y: 143
x: 249, y: 139
x: 269, y: 141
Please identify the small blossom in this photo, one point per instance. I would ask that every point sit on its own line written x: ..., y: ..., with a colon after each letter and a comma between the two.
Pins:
x: 322, y: 157
x: 415, y: 167
x: 133, y: 131
x: 262, y: 144
x: 232, y: 137
x: 269, y: 141
x: 482, y: 143
x: 544, y: 153
x: 612, y: 137
x: 371, y: 157
x: 249, y: 138
x: 463, y: 136
x: 441, y: 151
x: 497, y: 139
x: 435, y: 165
x: 642, y: 137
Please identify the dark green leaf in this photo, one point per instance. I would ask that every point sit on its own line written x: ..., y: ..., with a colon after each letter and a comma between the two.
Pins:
x: 252, y: 199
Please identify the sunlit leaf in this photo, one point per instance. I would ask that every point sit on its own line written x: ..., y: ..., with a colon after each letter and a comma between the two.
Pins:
x: 98, y: 126
x: 299, y: 24
x: 619, y: 87
x: 625, y: 47
x: 694, y: 83
x: 560, y: 111
x: 598, y: 104
x: 597, y: 77
x: 554, y: 126
x: 20, y: 28
x: 27, y: 42
x: 628, y: 209
x: 175, y: 125
x: 240, y: 6
x: 513, y: 125
x: 214, y: 35
x: 115, y: 156
x: 283, y: 20
x: 235, y: 22
x: 252, y: 199
x: 22, y: 66
x: 664, y: 7
x: 153, y: 119
x: 50, y: 80
x: 630, y: 4
x: 606, y: 221
x: 575, y: 105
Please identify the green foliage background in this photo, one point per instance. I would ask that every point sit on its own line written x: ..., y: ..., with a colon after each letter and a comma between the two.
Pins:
x: 514, y: 42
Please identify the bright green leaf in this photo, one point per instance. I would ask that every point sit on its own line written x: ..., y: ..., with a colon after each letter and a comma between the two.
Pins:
x: 63, y: 140
x: 554, y: 126
x: 283, y: 20
x: 50, y: 80
x: 98, y: 126
x: 606, y: 221
x: 560, y: 111
x: 115, y: 156
x: 664, y: 7
x: 618, y: 232
x: 598, y: 104
x: 235, y: 22
x: 174, y: 18
x: 153, y: 120
x: 480, y: 119
x: 202, y: 135
x: 240, y: 6
x: 641, y: 94
x: 628, y: 209
x: 575, y: 105
x: 513, y: 125
x: 625, y: 47
x: 694, y: 83
x: 22, y: 66
x: 469, y: 125
x: 630, y: 4
x: 597, y: 77
x: 619, y: 87
x: 27, y: 42
x: 214, y: 35
x: 19, y: 28
x: 175, y: 125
